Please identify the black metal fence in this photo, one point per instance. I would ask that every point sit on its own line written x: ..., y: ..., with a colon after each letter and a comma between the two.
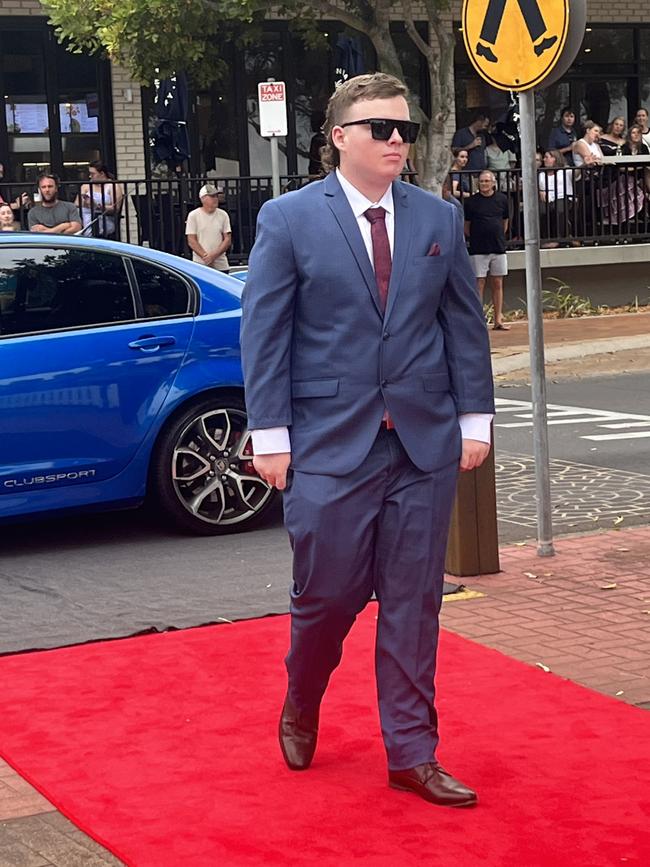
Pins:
x: 594, y: 205
x: 154, y: 211
x: 607, y: 204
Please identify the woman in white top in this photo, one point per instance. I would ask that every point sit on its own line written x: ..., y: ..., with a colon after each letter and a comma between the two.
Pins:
x: 100, y: 201
x: 588, y: 154
x: 587, y: 151
x: 555, y: 184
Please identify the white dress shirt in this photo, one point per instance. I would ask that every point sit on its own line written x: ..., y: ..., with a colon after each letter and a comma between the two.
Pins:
x: 473, y: 425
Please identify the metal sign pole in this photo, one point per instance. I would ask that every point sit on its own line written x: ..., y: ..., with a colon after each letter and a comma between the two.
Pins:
x: 275, y: 166
x: 535, y: 323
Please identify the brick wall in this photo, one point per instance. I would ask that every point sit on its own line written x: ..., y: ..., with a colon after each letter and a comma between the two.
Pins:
x: 620, y: 12
x: 20, y: 7
x: 127, y: 120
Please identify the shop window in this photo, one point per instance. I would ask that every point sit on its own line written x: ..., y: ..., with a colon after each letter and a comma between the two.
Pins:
x: 607, y: 45
x: 313, y: 86
x: 49, y: 129
x: 216, y: 120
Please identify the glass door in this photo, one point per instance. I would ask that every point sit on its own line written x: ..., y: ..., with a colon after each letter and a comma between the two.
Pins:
x: 78, y: 112
x: 26, y: 104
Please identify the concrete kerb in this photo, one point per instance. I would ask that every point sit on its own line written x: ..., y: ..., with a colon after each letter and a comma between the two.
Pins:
x: 562, y: 352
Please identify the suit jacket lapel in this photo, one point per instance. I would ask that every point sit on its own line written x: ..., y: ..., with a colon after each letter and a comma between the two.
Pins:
x: 401, y: 243
x: 340, y: 207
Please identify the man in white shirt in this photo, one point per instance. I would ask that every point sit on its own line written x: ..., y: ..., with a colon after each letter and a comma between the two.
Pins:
x: 368, y: 383
x: 208, y: 230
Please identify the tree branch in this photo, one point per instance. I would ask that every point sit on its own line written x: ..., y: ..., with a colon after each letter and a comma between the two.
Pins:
x: 338, y: 14
x: 445, y: 55
x: 436, y: 25
x: 425, y: 48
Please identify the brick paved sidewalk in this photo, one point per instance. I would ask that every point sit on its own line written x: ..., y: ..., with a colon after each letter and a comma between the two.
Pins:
x: 581, y: 329
x: 585, y: 614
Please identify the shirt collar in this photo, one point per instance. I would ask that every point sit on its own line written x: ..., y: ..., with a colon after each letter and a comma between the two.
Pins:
x: 359, y: 203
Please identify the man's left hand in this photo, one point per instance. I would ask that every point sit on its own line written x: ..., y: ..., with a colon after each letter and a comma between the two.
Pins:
x: 474, y: 453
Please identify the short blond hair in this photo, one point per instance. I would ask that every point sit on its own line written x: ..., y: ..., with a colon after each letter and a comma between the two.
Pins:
x: 361, y: 88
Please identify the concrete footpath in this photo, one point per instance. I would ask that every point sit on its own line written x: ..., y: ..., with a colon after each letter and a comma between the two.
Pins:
x: 583, y: 614
x: 592, y: 345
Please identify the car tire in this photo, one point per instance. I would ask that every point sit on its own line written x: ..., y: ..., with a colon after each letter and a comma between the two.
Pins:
x: 202, y: 478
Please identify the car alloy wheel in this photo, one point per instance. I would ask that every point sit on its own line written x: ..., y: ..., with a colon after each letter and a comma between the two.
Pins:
x: 212, y: 469
x: 203, y: 474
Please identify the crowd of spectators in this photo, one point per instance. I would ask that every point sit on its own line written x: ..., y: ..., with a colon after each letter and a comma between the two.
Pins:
x: 590, y: 182
x: 581, y: 192
x: 94, y: 211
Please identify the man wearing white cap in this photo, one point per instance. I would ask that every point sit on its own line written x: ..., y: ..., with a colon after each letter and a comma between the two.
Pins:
x: 208, y: 230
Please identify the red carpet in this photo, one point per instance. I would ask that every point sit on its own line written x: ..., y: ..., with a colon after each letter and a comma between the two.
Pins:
x: 163, y: 748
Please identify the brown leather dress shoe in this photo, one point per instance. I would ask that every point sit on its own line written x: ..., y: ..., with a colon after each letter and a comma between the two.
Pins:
x: 433, y: 783
x: 298, y: 736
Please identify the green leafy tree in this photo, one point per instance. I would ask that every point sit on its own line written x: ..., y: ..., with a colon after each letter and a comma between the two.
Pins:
x: 156, y: 37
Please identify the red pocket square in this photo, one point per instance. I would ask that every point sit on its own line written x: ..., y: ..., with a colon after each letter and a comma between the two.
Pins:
x: 434, y: 250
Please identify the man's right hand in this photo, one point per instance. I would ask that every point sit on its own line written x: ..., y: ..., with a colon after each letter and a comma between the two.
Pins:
x: 273, y: 468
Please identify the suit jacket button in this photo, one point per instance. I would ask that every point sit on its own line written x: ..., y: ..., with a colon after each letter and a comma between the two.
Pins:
x: 386, y: 335
x: 384, y: 383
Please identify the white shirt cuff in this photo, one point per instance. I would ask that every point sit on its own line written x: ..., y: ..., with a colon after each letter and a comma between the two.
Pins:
x: 271, y: 441
x: 475, y: 426
x: 275, y: 440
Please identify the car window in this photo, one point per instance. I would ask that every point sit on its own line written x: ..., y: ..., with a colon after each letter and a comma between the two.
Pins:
x: 44, y: 289
x: 162, y: 293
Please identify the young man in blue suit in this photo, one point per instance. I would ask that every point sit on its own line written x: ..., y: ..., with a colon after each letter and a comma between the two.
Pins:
x: 368, y: 384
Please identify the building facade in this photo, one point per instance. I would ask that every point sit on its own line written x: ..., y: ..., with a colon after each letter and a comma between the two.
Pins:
x: 63, y: 110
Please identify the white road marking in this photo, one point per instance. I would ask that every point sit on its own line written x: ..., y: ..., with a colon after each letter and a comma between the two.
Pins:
x: 630, y: 435
x: 627, y: 424
x: 620, y: 422
x: 551, y: 421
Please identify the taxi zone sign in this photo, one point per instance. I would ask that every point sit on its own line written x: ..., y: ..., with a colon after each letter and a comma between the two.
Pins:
x: 272, y: 97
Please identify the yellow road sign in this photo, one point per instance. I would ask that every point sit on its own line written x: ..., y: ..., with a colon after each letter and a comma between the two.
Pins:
x: 515, y: 44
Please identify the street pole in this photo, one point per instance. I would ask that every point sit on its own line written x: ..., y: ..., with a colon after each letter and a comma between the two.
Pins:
x: 275, y: 166
x: 535, y: 323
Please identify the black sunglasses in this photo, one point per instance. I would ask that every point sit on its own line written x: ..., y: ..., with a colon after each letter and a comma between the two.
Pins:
x: 382, y: 128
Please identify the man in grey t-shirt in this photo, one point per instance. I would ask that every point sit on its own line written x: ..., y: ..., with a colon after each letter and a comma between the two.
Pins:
x: 51, y: 215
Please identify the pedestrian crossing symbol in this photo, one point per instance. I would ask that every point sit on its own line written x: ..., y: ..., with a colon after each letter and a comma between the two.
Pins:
x: 515, y: 44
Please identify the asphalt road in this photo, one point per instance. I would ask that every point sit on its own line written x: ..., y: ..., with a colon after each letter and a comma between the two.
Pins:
x: 97, y: 576
x: 599, y: 444
x: 628, y: 394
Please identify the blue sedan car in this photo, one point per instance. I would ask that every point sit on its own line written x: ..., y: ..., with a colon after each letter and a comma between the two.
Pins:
x: 120, y: 380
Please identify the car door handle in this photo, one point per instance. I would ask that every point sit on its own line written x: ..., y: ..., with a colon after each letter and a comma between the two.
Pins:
x: 151, y: 343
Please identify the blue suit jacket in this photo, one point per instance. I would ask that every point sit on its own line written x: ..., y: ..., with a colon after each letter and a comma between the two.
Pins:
x: 318, y: 355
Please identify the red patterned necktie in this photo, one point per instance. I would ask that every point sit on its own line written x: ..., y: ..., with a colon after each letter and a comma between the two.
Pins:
x: 380, y: 251
x: 382, y: 262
